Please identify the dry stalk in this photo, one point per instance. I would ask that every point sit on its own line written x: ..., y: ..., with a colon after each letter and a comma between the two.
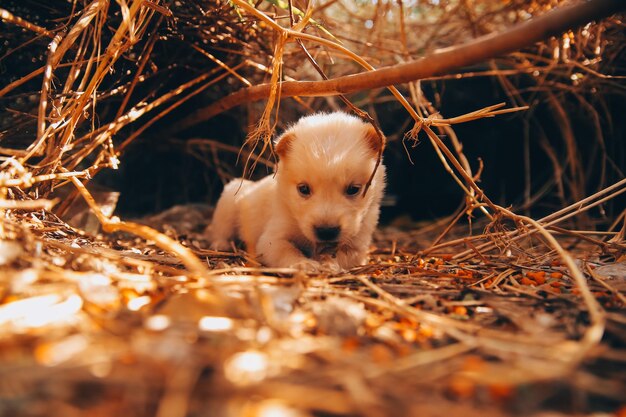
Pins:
x: 565, y: 213
x: 263, y: 130
x: 419, y: 102
x: 9, y: 17
x: 140, y: 69
x: 59, y: 46
x: 594, y: 332
x: 440, y: 62
x: 27, y: 180
x: 40, y: 204
x: 123, y: 38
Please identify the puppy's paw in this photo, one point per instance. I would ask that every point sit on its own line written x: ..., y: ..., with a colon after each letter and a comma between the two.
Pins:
x: 307, y: 265
x: 328, y: 266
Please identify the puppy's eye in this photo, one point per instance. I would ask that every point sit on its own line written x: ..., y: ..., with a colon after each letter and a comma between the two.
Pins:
x: 304, y: 190
x: 353, y: 190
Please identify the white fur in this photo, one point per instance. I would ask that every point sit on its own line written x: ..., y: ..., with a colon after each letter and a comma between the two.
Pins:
x: 329, y: 152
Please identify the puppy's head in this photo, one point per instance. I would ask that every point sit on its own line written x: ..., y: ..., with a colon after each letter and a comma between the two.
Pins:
x: 325, y: 160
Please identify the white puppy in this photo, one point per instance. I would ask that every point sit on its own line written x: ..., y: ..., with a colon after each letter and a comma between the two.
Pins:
x: 311, y: 213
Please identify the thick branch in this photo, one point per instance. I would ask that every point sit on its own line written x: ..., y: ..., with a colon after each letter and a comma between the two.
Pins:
x: 440, y: 62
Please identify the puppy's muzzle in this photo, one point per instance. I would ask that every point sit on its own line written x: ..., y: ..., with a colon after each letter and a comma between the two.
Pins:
x: 327, y: 233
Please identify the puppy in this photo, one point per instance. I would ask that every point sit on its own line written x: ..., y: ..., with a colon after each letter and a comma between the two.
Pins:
x: 312, y: 213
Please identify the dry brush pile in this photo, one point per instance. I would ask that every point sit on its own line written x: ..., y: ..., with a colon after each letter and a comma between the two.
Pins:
x: 514, y: 315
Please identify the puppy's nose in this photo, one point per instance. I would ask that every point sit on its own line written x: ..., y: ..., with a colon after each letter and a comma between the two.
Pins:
x: 327, y: 233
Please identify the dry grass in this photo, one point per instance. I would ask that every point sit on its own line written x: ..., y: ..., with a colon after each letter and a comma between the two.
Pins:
x: 522, y: 317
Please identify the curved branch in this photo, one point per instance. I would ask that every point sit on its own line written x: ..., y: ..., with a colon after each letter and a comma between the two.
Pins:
x: 440, y: 62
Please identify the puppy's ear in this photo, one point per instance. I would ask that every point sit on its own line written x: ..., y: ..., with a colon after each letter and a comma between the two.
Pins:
x: 374, y: 142
x: 283, y: 144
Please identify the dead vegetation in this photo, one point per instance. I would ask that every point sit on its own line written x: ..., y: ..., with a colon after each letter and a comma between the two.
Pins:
x: 511, y: 315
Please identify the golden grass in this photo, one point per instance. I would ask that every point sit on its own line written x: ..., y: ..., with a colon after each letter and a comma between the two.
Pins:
x: 143, y: 320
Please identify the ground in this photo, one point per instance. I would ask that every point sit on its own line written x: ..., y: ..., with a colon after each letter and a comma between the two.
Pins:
x: 110, y: 324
